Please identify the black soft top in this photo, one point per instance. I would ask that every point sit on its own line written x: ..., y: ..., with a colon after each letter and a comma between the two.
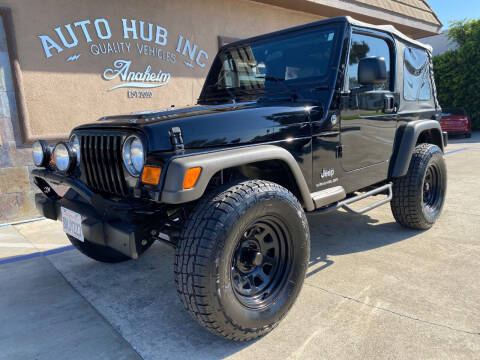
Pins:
x: 345, y: 19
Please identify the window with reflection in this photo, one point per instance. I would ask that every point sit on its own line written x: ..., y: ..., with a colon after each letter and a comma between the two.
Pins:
x: 289, y: 59
x: 416, y: 75
x: 363, y: 46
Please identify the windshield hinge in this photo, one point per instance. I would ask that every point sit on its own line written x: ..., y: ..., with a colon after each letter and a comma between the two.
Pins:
x: 176, y: 139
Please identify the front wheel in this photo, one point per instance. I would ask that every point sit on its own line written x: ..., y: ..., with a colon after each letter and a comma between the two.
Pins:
x: 242, y: 258
x: 418, y: 197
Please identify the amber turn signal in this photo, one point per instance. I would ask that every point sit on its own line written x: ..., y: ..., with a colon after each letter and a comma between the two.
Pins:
x: 191, y: 177
x: 151, y: 175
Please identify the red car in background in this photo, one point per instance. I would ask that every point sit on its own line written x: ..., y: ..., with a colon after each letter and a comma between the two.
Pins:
x: 455, y: 121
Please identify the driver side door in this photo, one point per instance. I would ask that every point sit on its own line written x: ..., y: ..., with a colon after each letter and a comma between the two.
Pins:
x: 368, y: 118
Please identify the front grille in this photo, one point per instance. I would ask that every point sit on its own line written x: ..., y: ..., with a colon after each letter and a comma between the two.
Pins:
x: 102, y: 163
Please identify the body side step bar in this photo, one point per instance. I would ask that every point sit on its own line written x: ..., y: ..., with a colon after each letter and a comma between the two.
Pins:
x: 328, y: 196
x: 345, y: 203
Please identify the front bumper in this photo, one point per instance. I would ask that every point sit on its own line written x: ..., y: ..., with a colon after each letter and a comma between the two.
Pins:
x: 116, y: 234
x: 104, y: 222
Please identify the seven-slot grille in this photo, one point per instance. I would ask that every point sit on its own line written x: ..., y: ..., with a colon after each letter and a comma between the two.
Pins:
x: 101, y: 157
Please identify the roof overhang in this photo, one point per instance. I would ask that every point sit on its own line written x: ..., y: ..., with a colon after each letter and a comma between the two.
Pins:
x: 415, y: 28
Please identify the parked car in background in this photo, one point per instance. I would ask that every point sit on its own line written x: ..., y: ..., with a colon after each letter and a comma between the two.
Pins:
x: 455, y: 121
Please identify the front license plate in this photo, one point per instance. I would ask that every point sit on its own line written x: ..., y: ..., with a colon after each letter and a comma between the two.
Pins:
x: 72, y: 223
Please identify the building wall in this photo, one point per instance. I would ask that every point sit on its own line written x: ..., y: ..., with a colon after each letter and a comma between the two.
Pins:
x: 440, y: 43
x: 67, y: 84
x: 16, y: 191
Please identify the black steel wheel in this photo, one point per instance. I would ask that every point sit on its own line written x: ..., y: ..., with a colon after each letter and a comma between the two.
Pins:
x: 242, y: 258
x: 418, y: 197
x: 432, y: 190
x: 259, y: 262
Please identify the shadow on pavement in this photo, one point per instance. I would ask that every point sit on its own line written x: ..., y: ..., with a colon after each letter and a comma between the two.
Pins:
x: 139, y: 298
x: 341, y: 233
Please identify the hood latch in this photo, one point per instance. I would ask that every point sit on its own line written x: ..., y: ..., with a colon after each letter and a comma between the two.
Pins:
x: 176, y: 139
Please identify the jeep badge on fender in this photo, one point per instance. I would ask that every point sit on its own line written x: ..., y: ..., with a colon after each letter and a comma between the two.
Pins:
x: 227, y: 182
x: 327, y: 173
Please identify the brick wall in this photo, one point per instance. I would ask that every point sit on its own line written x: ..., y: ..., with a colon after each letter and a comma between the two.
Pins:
x: 16, y: 189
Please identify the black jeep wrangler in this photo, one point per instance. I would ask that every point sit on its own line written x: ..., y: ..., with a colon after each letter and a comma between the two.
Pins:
x: 308, y: 119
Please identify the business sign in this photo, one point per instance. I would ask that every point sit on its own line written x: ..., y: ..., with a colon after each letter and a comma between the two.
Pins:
x: 136, y: 38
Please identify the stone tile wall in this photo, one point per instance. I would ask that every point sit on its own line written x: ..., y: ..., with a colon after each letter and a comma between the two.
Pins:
x: 16, y: 188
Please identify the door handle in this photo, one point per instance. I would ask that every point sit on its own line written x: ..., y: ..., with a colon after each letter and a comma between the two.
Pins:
x: 389, y: 104
x: 339, y: 151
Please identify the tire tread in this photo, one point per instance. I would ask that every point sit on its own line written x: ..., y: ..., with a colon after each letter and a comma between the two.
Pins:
x: 407, y: 190
x: 197, y: 247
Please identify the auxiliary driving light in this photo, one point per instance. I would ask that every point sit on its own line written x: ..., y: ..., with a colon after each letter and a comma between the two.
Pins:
x: 65, y: 156
x: 40, y: 153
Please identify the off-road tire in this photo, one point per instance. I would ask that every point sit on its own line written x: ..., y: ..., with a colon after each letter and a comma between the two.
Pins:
x: 203, y: 258
x: 408, y: 205
x: 102, y: 253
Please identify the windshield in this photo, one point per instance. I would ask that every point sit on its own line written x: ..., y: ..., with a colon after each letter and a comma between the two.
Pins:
x: 291, y: 59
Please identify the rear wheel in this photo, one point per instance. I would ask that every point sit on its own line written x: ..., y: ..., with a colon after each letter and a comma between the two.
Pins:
x: 418, y: 197
x: 102, y: 253
x: 242, y: 258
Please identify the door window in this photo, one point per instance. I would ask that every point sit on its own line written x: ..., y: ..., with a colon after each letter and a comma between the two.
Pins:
x: 367, y: 46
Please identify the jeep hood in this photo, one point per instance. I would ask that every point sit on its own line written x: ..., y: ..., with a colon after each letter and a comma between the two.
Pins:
x: 209, y: 126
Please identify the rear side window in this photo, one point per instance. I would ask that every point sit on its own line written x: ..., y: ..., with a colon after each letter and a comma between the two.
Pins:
x: 416, y: 75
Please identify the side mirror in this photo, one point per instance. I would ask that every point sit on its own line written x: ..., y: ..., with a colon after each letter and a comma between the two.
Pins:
x: 372, y: 71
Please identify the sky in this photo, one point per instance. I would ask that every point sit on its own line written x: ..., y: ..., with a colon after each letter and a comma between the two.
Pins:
x: 455, y: 10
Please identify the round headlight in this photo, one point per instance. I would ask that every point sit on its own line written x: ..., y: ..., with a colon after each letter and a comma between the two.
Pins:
x: 75, y: 145
x: 40, y: 153
x: 64, y: 156
x: 133, y: 155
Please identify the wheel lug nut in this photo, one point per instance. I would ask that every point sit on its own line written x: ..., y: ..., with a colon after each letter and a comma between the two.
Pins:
x: 257, y: 259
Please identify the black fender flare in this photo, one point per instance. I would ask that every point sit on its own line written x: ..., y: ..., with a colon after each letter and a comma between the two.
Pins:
x: 408, y: 140
x: 214, y: 161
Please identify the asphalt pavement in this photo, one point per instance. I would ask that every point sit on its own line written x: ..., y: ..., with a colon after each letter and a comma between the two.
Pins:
x: 373, y: 290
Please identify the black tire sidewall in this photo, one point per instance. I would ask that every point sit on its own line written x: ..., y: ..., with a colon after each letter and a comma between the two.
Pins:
x: 407, y: 203
x: 291, y: 214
